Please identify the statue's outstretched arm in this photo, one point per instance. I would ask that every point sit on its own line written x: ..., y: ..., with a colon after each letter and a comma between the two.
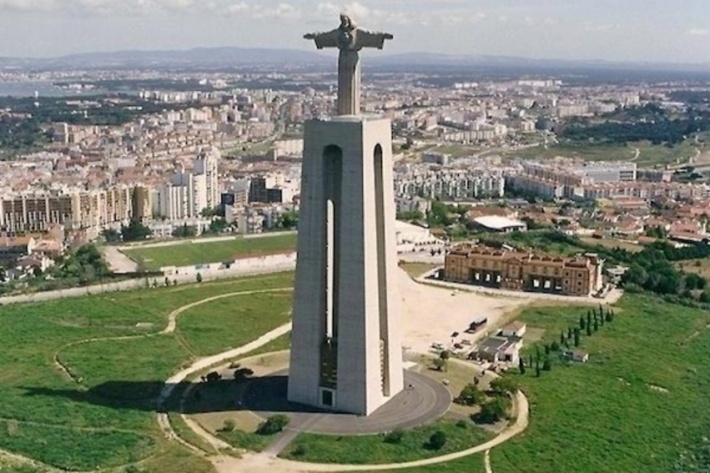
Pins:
x: 324, y: 40
x: 369, y: 39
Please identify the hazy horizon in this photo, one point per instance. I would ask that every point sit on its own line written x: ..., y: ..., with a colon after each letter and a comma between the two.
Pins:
x: 651, y: 31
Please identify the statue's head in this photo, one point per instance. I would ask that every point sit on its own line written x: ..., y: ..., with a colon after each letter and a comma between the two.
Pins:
x: 346, y: 21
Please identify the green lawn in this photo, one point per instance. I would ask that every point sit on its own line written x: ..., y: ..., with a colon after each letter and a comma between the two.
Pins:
x: 606, y: 416
x: 650, y: 155
x: 472, y: 464
x: 188, y: 253
x: 105, y: 416
x: 223, y: 324
x: 372, y: 449
x: 640, y: 404
x: 590, y: 152
x: 247, y: 440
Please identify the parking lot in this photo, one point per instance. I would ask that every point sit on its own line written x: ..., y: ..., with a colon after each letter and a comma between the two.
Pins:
x: 432, y: 314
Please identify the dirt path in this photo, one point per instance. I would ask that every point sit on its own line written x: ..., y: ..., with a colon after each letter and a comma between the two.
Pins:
x: 117, y: 261
x: 487, y: 462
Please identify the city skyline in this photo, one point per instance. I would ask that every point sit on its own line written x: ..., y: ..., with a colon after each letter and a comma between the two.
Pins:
x: 638, y: 30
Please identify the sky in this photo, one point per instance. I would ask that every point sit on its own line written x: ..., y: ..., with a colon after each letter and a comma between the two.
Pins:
x: 617, y: 30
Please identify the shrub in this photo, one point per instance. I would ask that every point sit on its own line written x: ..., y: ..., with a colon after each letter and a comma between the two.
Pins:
x: 462, y: 424
x: 199, y: 277
x: 273, y: 425
x: 228, y: 426
x: 394, y: 437
x: 298, y: 451
x: 504, y: 386
x: 241, y: 374
x: 470, y: 395
x: 437, y: 440
x: 493, y: 411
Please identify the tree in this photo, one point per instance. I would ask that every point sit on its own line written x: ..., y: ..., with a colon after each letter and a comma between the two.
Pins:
x: 217, y: 225
x: 287, y: 220
x: 570, y: 331
x: 596, y: 325
x: 394, y: 437
x: 111, y: 235
x: 437, y: 440
x: 504, y: 385
x: 694, y: 281
x: 273, y: 424
x: 521, y: 366
x: 582, y: 323
x: 589, y: 320
x: 576, y: 337
x: 562, y: 338
x: 555, y: 346
x: 704, y: 298
x: 445, y: 355
x: 167, y: 281
x: 135, y: 231
x: 439, y: 364
x: 185, y: 231
x: 530, y: 363
x: 493, y: 411
x: 537, y: 370
x: 547, y: 365
x: 213, y: 377
x: 589, y: 330
x: 547, y: 349
x: 198, y: 277
x: 470, y: 396
x: 609, y: 316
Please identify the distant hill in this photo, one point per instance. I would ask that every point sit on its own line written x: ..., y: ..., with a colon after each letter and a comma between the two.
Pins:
x: 227, y: 57
x: 210, y: 58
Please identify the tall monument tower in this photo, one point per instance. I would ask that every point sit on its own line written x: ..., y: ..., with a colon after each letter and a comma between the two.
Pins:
x: 346, y: 351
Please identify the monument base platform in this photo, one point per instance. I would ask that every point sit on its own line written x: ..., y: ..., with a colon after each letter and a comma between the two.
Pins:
x: 422, y: 401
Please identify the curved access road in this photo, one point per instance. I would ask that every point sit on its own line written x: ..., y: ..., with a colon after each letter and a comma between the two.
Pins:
x: 256, y: 462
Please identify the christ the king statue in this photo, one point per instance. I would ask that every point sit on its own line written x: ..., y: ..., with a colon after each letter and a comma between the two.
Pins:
x: 349, y: 39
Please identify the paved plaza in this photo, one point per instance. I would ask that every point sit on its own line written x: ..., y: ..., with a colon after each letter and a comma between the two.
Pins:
x: 422, y: 401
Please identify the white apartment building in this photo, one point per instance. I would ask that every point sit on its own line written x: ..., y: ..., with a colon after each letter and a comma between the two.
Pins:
x: 189, y: 193
x: 207, y: 165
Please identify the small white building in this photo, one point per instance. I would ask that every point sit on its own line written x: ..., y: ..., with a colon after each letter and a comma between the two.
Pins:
x: 514, y: 329
x: 412, y: 238
x: 501, y: 224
